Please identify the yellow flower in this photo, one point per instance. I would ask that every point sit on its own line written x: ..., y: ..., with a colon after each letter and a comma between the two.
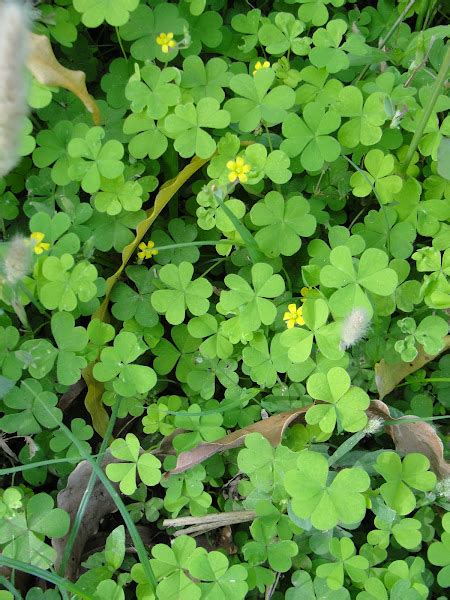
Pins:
x: 147, y: 250
x: 293, y: 316
x: 166, y: 41
x: 38, y: 245
x: 261, y: 65
x: 238, y: 169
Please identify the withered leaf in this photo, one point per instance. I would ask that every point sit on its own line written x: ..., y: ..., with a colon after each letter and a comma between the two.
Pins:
x: 413, y: 436
x: 272, y: 429
x: 48, y: 71
x: 387, y: 377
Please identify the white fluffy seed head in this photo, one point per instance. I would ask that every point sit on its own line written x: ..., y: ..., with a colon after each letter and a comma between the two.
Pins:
x: 18, y: 260
x: 374, y: 426
x: 443, y: 488
x: 14, y: 35
x: 354, y: 327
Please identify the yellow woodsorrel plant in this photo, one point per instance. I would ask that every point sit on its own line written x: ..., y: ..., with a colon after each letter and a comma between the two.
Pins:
x: 224, y: 299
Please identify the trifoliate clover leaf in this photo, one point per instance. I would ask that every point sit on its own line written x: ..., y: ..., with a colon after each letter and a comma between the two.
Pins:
x: 251, y: 303
x: 181, y: 352
x: 10, y: 364
x: 309, y: 136
x: 216, y: 344
x: 400, y: 476
x: 52, y: 150
x: 326, y: 505
x: 347, y: 404
x: 114, y: 231
x: 346, y: 562
x: 266, y: 467
x: 299, y: 340
x: 326, y: 53
x: 282, y: 35
x: 256, y: 102
x: 64, y: 284
x: 182, y: 293
x: 107, y: 590
x: 70, y: 341
x: 218, y: 579
x: 267, y: 547
x: 128, y: 379
x: 315, y: 11
x: 145, y: 24
x: 153, y: 90
x: 366, y: 117
x: 170, y: 563
x: 305, y: 589
x: 145, y: 465
x: 282, y: 222
x: 205, y: 80
x: 372, y: 274
x: 29, y: 409
x: 117, y: 195
x: 247, y: 24
x: 91, y: 159
x: 149, y: 140
x: 114, y: 12
x: 83, y: 432
x: 187, y: 127
x: 178, y: 231
x: 374, y: 590
x: 378, y: 176
x: 439, y: 553
x: 275, y: 165
x: 22, y: 536
x: 405, y: 531
x: 135, y: 302
x: 198, y: 428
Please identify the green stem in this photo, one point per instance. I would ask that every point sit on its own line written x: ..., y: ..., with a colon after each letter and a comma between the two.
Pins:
x: 134, y: 534
x: 87, y: 494
x: 190, y: 244
x: 390, y: 33
x: 442, y: 76
x: 44, y: 575
x: 119, y: 39
x: 428, y: 380
x: 41, y: 463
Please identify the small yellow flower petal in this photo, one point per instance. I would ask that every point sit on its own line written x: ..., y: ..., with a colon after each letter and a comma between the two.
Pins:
x: 166, y: 41
x: 238, y: 170
x: 38, y: 245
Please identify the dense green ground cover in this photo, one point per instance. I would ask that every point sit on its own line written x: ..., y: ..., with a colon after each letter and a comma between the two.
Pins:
x: 224, y: 300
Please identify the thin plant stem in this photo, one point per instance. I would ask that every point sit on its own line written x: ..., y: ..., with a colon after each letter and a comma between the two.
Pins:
x: 119, y: 39
x: 87, y: 494
x: 115, y: 496
x: 442, y: 76
x: 12, y: 563
x: 41, y: 463
x: 390, y: 33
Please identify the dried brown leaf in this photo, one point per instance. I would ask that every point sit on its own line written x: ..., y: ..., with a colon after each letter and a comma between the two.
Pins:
x: 48, y: 71
x: 272, y: 429
x: 387, y: 377
x: 414, y: 436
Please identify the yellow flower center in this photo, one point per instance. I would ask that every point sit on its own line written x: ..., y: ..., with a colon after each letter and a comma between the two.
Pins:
x: 147, y: 250
x: 293, y: 316
x: 166, y: 41
x: 37, y: 241
x: 261, y: 65
x: 238, y: 170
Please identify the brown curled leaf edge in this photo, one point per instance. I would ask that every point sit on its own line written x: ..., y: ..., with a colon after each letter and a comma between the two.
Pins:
x: 46, y: 69
x: 408, y: 436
